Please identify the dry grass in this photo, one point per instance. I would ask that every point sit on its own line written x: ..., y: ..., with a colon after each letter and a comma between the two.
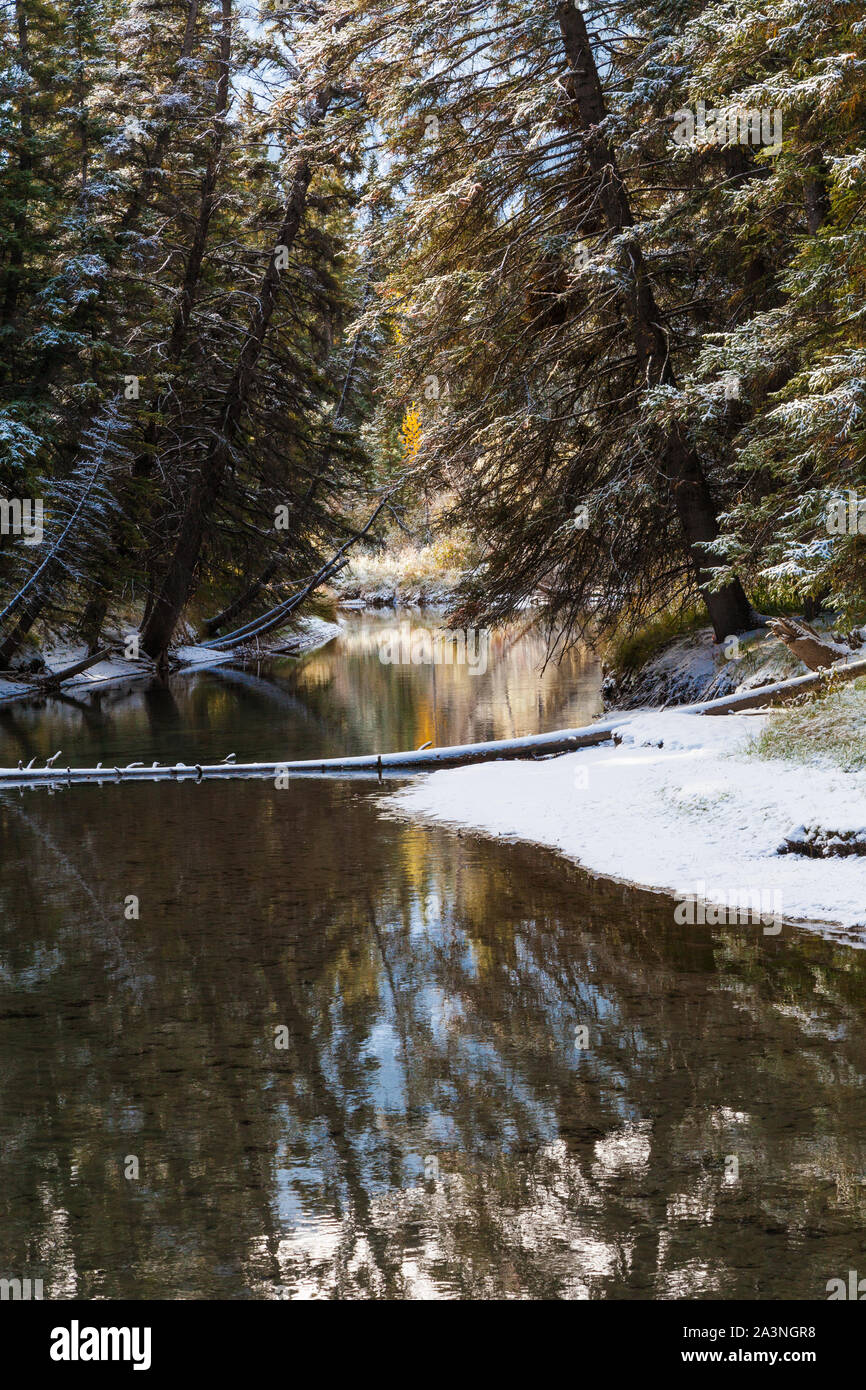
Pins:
x: 409, y: 567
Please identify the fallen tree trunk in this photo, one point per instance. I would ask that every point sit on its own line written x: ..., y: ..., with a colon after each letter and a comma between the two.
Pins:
x: 765, y: 696
x: 279, y: 616
x: 814, y: 649
x: 55, y: 678
x: 275, y: 617
x: 365, y: 765
x: 431, y: 759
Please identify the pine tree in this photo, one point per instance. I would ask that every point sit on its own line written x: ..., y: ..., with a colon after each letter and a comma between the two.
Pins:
x: 203, y: 330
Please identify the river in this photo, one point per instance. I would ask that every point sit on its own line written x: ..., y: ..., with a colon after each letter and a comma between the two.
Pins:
x: 264, y: 1043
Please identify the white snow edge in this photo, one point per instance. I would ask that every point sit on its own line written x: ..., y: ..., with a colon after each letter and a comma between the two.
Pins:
x: 308, y: 635
x: 696, y: 815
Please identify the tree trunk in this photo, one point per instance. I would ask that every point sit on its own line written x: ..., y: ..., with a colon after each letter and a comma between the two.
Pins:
x: 92, y: 619
x: 55, y: 678
x: 10, y: 644
x: 729, y: 609
x: 178, y: 580
x: 245, y: 599
x: 816, y: 196
x: 138, y: 201
x: 814, y: 649
x: 279, y: 615
x: 25, y: 165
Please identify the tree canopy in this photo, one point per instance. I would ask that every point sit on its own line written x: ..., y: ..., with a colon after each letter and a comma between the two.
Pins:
x: 593, y: 273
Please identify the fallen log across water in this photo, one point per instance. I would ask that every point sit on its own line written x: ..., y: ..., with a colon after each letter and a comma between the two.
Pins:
x: 365, y: 765
x: 407, y: 763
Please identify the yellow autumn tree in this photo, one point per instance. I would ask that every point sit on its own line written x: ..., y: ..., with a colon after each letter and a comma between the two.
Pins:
x: 411, y: 431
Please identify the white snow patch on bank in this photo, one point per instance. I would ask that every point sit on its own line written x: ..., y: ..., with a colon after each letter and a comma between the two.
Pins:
x: 308, y: 635
x: 200, y: 656
x: 696, y: 815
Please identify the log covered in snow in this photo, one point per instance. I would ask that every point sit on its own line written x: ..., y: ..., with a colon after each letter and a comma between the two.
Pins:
x: 813, y: 648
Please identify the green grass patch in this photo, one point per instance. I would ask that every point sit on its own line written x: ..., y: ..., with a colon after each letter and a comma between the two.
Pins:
x: 628, y: 650
x: 831, y: 727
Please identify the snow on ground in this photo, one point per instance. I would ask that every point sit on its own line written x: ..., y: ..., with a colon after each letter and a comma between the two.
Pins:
x: 307, y: 636
x: 679, y: 805
x: 66, y: 654
x: 200, y: 656
x: 695, y: 667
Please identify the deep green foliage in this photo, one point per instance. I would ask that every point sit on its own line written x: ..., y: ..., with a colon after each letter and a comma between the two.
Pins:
x: 456, y: 254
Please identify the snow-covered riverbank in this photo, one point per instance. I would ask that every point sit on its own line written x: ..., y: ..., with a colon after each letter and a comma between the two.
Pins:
x: 679, y: 805
x: 306, y: 635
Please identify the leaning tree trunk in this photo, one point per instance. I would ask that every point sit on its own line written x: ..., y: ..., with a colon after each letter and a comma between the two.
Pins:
x: 245, y: 600
x: 11, y: 643
x: 729, y: 609
x: 177, y: 582
x: 39, y: 599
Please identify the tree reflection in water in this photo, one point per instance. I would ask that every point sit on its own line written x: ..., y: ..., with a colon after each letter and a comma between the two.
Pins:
x: 431, y: 986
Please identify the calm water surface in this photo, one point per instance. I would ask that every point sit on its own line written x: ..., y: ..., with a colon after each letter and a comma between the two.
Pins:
x: 341, y: 1050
